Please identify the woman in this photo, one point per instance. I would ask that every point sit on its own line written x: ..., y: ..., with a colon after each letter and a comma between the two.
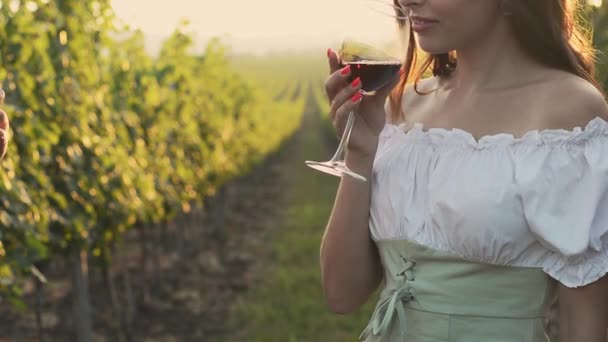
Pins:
x: 487, y: 198
x: 3, y: 128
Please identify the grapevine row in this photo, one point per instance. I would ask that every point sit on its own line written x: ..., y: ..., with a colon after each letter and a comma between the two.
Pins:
x: 106, y: 138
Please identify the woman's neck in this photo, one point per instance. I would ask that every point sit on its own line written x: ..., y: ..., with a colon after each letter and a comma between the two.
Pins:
x: 493, y: 61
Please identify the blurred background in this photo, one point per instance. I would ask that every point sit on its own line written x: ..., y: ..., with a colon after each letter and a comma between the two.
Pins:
x: 155, y: 187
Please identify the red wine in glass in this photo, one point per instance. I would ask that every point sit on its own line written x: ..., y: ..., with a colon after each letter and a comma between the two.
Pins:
x: 375, y: 68
x: 373, y: 74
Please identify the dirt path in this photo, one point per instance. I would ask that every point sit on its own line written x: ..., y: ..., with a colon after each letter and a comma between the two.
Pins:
x: 197, y: 303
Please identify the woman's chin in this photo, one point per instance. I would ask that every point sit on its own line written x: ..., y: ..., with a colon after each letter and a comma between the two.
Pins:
x: 433, y: 47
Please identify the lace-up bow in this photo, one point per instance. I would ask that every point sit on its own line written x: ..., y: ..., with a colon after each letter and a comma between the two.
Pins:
x: 393, y: 303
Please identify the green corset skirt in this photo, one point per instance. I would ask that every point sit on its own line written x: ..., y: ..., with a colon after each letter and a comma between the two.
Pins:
x: 432, y: 296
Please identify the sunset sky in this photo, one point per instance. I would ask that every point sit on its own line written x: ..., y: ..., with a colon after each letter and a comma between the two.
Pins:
x: 262, y: 24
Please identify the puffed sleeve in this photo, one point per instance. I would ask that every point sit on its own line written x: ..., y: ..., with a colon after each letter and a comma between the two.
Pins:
x: 564, y: 193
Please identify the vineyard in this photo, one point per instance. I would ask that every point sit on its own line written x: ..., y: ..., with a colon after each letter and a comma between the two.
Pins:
x: 108, y: 140
x: 127, y: 172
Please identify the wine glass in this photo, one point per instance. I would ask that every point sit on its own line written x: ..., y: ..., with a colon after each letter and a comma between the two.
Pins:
x: 376, y: 67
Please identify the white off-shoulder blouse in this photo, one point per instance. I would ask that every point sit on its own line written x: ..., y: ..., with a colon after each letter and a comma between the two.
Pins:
x: 540, y: 200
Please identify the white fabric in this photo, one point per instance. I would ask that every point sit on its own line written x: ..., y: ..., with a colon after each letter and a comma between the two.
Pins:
x: 540, y: 200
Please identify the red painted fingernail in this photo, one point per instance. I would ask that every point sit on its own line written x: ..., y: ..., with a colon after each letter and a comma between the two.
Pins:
x: 345, y: 70
x: 356, y: 97
x: 329, y: 52
x: 356, y: 82
x: 401, y: 72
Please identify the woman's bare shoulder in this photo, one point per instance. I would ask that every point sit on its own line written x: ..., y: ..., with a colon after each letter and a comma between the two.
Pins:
x: 412, y: 97
x: 424, y: 85
x: 573, y: 101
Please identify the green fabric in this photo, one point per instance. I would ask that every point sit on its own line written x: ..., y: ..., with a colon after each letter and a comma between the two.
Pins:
x: 432, y: 296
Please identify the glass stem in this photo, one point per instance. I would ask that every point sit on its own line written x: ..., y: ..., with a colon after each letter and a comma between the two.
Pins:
x: 345, y: 137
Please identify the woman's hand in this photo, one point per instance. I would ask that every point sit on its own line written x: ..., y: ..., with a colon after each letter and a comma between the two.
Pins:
x: 3, y: 128
x: 344, y: 98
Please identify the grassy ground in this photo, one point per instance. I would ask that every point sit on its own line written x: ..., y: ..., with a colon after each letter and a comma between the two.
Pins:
x: 286, y: 303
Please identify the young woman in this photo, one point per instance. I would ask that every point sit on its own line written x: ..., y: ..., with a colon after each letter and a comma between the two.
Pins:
x: 487, y: 199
